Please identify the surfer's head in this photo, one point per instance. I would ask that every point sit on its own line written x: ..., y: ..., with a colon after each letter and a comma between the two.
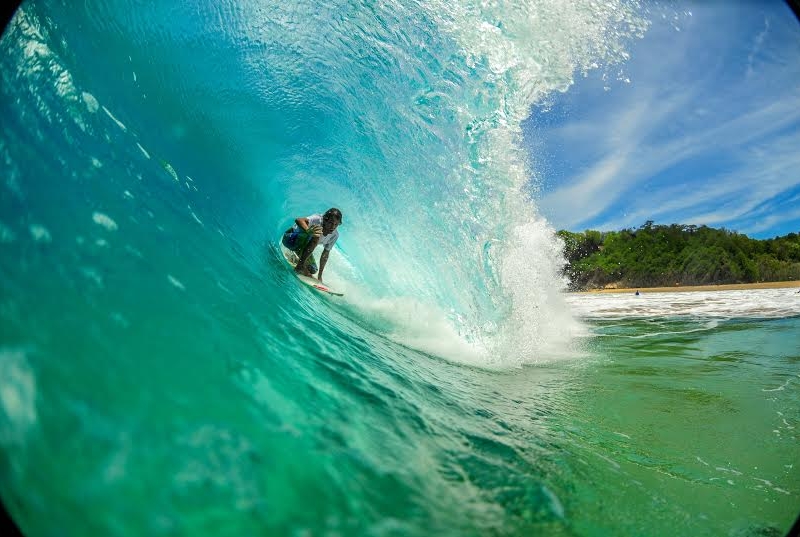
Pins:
x: 331, y: 220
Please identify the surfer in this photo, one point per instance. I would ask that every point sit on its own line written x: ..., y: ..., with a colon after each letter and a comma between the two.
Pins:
x: 306, y: 234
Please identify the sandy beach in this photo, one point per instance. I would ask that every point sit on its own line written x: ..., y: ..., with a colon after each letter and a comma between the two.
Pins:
x: 685, y: 288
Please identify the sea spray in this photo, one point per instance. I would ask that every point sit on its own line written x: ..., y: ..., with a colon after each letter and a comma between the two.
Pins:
x: 474, y: 246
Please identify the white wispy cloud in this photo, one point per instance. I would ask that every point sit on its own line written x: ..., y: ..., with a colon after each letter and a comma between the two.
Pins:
x: 686, y: 145
x: 758, y: 42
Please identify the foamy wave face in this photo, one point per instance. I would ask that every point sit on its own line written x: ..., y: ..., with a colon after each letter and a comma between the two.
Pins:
x: 522, y: 52
x: 443, y: 190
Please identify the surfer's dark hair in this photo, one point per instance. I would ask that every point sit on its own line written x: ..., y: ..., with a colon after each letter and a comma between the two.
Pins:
x: 333, y: 212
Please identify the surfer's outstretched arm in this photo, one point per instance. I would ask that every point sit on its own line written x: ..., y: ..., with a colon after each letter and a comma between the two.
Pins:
x: 322, y: 260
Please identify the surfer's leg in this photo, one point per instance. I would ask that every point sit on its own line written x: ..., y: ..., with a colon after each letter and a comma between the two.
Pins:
x: 301, y: 264
x: 311, y: 264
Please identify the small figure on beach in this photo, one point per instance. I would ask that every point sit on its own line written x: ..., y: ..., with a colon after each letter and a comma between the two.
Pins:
x: 637, y: 292
x: 306, y: 234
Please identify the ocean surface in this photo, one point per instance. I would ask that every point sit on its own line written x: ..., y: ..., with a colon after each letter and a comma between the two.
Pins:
x: 162, y: 372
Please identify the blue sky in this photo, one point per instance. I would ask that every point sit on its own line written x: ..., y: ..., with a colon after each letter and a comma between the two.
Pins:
x: 706, y: 131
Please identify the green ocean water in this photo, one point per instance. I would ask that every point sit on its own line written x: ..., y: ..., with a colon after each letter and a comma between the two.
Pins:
x: 692, y: 431
x: 163, y: 373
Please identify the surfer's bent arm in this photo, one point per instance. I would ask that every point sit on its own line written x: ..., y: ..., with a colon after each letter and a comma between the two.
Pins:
x: 302, y: 223
x: 305, y: 226
x: 322, y: 260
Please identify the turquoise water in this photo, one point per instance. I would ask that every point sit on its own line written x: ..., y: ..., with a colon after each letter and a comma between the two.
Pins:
x: 162, y: 372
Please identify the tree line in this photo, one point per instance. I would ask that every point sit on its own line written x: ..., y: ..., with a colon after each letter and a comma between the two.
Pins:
x: 658, y: 256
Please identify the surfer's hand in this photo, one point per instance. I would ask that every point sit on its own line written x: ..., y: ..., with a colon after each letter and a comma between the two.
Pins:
x: 315, y: 230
